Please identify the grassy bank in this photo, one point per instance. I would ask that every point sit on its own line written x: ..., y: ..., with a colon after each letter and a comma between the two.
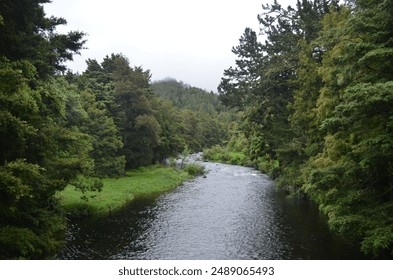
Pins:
x: 116, y: 193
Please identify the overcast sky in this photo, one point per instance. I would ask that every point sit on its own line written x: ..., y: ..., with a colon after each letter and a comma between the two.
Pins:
x: 189, y: 40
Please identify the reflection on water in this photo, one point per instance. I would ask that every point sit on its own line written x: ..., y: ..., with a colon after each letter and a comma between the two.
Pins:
x: 233, y: 213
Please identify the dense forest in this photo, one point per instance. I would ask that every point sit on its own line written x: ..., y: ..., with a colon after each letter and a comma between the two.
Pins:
x: 312, y: 106
x: 317, y: 97
x: 58, y: 128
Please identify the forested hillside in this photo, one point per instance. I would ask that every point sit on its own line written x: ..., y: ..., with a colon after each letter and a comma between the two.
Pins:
x: 318, y: 102
x: 205, y: 120
x: 186, y: 97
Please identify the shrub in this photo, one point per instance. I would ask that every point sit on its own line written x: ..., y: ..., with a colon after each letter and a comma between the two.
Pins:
x: 195, y: 169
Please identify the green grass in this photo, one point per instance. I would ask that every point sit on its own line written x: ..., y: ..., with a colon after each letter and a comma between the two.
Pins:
x: 116, y: 193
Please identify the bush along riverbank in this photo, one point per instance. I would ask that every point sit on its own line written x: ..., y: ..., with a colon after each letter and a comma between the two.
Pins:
x: 363, y: 225
x: 117, y: 192
x: 238, y: 157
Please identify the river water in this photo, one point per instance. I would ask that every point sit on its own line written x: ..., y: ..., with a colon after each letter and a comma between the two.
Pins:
x: 233, y: 213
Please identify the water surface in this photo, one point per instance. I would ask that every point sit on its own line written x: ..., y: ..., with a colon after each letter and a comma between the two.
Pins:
x: 233, y: 213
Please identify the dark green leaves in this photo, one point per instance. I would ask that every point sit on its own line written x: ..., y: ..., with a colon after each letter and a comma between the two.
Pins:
x: 27, y: 34
x: 318, y: 96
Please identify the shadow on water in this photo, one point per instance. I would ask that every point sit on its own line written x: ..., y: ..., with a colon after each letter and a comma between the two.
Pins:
x: 102, y: 237
x: 307, y: 232
x: 233, y: 213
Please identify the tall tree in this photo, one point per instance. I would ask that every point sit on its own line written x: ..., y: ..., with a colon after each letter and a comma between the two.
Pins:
x: 41, y: 147
x: 104, y: 134
x: 132, y: 110
x: 263, y: 80
x: 172, y: 142
x: 352, y: 177
x: 43, y: 151
x: 26, y: 33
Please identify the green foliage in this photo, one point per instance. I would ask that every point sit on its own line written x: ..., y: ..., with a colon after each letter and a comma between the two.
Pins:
x: 202, y: 119
x: 23, y: 243
x: 353, y: 174
x: 133, y: 113
x: 28, y: 229
x: 26, y: 34
x: 172, y: 141
x: 117, y: 192
x: 41, y: 146
x: 316, y: 100
x: 220, y: 154
x: 104, y: 134
x: 317, y: 97
x: 378, y: 241
x: 214, y: 153
x: 18, y: 106
x: 264, y: 79
x: 124, y: 105
x: 184, y: 96
x: 20, y: 242
x: 194, y: 169
x: 58, y: 131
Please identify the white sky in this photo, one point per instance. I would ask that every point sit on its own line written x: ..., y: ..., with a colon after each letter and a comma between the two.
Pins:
x: 189, y: 40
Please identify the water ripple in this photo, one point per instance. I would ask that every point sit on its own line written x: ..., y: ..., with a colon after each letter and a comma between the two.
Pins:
x: 233, y: 213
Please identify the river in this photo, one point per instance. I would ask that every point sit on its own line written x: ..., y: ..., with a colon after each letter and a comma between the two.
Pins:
x: 232, y: 213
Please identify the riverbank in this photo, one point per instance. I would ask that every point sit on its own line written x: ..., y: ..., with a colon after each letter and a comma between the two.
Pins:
x: 117, y: 192
x: 216, y: 217
x: 228, y: 156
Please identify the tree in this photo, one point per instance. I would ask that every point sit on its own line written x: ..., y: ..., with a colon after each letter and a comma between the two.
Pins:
x: 317, y: 100
x: 106, y: 142
x: 200, y: 114
x: 263, y: 81
x: 43, y: 151
x: 124, y: 92
x: 27, y: 34
x: 238, y: 85
x: 172, y: 141
x: 133, y: 112
x: 351, y: 178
